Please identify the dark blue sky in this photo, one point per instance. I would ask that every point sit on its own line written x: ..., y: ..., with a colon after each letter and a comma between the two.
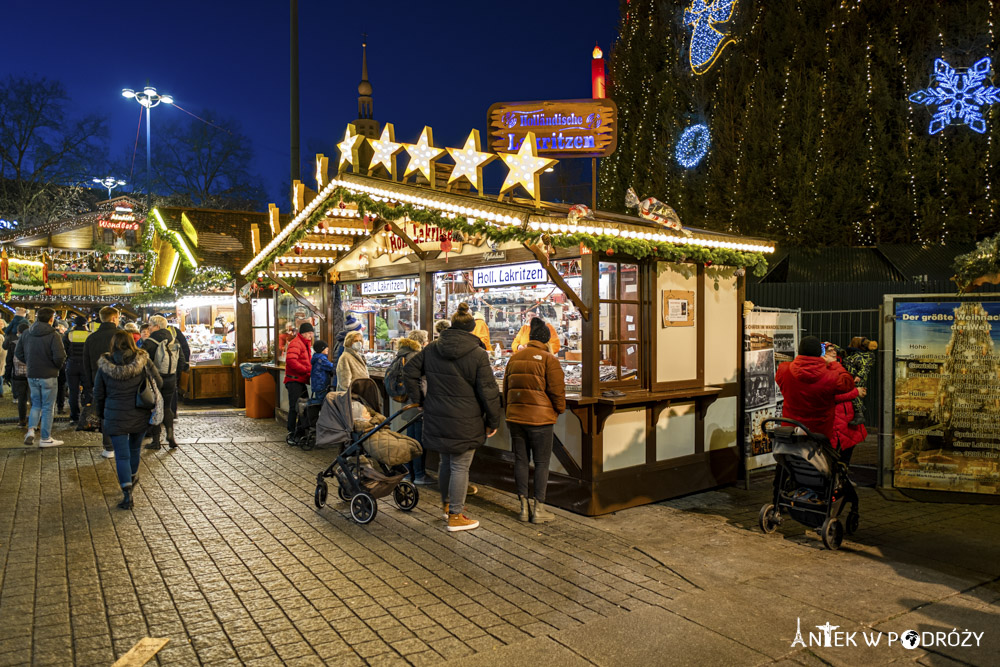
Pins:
x: 435, y: 63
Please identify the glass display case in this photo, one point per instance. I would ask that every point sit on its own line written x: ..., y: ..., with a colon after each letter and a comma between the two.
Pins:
x: 291, y: 314
x: 388, y: 309
x: 572, y: 370
x: 209, y: 324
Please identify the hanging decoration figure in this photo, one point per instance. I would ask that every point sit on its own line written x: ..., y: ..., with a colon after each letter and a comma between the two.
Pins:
x: 707, y: 41
x: 959, y: 95
x: 655, y: 210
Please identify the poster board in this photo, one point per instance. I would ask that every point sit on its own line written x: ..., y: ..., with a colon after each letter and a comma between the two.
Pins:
x: 945, y: 394
x: 770, y: 337
x: 678, y: 308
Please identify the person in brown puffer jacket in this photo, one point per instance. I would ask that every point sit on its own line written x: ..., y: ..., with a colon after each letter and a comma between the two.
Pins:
x: 535, y: 390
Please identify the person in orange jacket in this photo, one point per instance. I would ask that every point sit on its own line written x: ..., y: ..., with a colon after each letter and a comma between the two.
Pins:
x: 482, y: 330
x: 523, y: 336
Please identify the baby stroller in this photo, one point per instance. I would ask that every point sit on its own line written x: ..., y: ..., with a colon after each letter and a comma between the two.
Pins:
x: 811, y: 484
x: 361, y: 479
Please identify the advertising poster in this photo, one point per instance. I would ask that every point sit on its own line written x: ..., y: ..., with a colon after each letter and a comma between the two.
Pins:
x: 770, y: 337
x: 946, y: 401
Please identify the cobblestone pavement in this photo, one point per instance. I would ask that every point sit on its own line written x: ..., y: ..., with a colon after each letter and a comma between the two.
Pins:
x: 225, y: 555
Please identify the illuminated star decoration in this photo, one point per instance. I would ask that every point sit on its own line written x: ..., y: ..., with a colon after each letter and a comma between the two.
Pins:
x: 469, y: 161
x: 693, y: 145
x: 524, y: 167
x: 707, y: 42
x: 349, y: 147
x: 386, y: 149
x: 423, y: 155
x: 959, y: 95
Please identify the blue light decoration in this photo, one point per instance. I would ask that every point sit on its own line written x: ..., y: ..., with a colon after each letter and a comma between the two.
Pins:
x: 960, y: 95
x: 8, y: 224
x: 707, y: 42
x: 693, y: 145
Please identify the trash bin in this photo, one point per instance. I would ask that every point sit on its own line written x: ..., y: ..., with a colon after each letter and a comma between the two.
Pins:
x: 260, y: 396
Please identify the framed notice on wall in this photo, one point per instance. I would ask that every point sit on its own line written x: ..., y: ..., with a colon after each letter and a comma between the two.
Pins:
x: 678, y: 308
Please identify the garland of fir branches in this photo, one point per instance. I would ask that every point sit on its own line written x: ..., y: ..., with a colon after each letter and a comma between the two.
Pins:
x: 979, y: 266
x: 146, y: 247
x: 204, y: 279
x: 638, y: 248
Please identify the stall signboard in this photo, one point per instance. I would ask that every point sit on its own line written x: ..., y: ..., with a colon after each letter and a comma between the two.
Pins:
x: 770, y: 337
x: 389, y: 286
x: 428, y: 238
x: 946, y: 396
x: 562, y: 128
x: 532, y: 273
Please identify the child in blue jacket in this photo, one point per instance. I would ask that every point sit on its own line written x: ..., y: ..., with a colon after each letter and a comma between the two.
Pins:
x: 322, y: 369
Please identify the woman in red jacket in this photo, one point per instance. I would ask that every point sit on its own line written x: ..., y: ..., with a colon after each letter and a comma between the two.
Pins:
x: 846, y: 436
x: 298, y: 369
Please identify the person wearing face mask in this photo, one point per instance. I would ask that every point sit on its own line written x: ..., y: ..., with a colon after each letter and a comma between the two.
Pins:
x: 351, y: 365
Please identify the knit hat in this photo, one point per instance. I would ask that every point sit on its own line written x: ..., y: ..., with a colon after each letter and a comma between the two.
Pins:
x: 352, y: 323
x: 462, y: 319
x: 305, y: 328
x: 80, y: 321
x: 810, y: 346
x: 319, y: 346
x: 539, y: 330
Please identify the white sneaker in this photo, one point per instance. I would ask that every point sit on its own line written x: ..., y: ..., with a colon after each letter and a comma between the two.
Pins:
x: 108, y: 453
x: 29, y: 437
x: 50, y: 443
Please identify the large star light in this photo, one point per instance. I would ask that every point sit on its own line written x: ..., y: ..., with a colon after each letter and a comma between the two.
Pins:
x: 707, y: 42
x: 959, y: 95
x: 386, y: 149
x: 524, y: 167
x: 349, y: 147
x: 469, y: 161
x: 423, y: 155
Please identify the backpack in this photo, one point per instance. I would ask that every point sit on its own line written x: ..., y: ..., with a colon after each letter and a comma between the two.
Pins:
x: 167, y: 354
x: 394, y: 385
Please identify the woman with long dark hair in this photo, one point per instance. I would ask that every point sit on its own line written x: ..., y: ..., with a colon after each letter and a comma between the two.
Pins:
x: 120, y: 374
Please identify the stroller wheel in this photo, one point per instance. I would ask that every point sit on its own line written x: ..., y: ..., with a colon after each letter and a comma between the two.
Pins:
x: 363, y: 508
x: 406, y: 495
x: 851, y: 525
x: 320, y: 495
x: 309, y: 442
x: 832, y: 532
x: 768, y: 519
x: 344, y: 493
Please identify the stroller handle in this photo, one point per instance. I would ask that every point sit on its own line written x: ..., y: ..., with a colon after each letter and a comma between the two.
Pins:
x: 778, y: 420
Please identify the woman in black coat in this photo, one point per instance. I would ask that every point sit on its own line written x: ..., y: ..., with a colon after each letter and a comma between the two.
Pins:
x: 120, y: 373
x: 461, y: 407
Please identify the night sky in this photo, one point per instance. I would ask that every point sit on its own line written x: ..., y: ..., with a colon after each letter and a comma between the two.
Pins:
x: 436, y: 63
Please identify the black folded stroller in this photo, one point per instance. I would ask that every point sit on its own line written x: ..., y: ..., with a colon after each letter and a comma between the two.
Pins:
x: 811, y: 484
x: 304, y: 435
x: 361, y: 479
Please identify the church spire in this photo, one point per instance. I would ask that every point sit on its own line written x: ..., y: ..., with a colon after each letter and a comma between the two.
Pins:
x: 365, y: 102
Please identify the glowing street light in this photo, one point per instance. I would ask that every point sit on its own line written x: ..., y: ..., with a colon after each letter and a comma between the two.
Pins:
x: 149, y: 98
x: 110, y: 182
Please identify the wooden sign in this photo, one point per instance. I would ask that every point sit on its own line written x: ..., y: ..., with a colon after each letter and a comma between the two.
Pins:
x: 562, y: 128
x: 678, y: 308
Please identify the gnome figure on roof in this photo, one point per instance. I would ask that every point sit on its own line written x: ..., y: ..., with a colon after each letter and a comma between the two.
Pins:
x: 655, y: 210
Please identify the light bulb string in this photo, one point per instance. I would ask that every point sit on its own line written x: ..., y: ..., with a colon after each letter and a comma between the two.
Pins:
x: 206, y: 122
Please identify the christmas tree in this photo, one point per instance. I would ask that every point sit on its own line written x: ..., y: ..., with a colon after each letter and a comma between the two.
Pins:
x: 970, y: 374
x: 814, y: 139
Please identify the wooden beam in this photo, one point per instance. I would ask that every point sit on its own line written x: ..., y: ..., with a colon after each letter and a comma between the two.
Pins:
x: 558, y: 280
x: 298, y: 297
x: 406, y: 239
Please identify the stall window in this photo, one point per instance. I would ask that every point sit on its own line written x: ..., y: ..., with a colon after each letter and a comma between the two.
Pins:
x: 619, y: 325
x: 262, y: 323
x: 291, y: 314
x: 385, y: 316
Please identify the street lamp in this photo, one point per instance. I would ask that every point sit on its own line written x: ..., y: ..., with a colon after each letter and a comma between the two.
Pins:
x: 149, y: 98
x: 110, y: 182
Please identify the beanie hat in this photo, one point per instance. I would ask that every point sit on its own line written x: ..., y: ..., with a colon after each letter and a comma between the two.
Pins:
x: 462, y: 319
x: 305, y: 328
x: 810, y: 346
x: 319, y: 346
x: 80, y: 321
x: 538, y: 330
x: 352, y: 323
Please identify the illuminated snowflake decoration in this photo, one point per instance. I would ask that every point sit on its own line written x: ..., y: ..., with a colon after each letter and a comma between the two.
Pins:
x: 960, y: 95
x: 693, y: 145
x: 707, y: 42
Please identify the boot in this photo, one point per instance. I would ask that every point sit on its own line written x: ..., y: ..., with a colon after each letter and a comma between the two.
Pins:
x: 539, y: 514
x: 524, y: 515
x: 135, y: 480
x: 155, y: 444
x: 170, y: 437
x: 126, y: 503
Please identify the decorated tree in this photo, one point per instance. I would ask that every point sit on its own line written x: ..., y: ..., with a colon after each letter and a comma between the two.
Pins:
x: 815, y: 128
x: 970, y: 372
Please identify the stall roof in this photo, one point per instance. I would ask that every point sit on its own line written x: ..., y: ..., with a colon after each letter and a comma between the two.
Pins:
x: 13, y: 236
x: 881, y: 263
x: 220, y: 237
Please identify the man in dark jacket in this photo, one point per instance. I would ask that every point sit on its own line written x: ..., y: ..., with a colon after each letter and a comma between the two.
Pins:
x: 75, y: 374
x: 96, y: 345
x: 461, y: 407
x: 810, y: 385
x: 41, y: 349
x: 163, y: 347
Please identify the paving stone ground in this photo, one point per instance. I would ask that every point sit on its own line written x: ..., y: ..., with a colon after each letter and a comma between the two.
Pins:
x: 225, y: 555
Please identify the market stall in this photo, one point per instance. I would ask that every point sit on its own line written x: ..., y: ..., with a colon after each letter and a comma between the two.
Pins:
x: 647, y: 319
